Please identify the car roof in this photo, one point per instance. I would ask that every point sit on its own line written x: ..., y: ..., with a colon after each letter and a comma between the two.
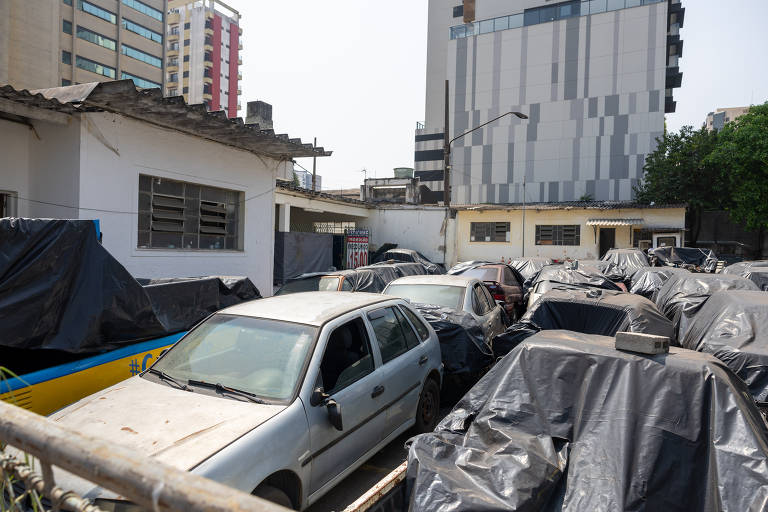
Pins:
x: 444, y: 279
x: 313, y: 308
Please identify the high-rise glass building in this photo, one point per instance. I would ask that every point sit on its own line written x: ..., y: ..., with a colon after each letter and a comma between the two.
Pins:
x: 594, y: 77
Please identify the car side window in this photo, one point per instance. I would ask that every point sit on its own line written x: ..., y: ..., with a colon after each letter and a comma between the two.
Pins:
x: 411, y: 340
x: 346, y: 286
x: 389, y: 333
x: 488, y: 298
x: 479, y: 304
x: 417, y: 322
x: 509, y: 278
x: 347, y: 356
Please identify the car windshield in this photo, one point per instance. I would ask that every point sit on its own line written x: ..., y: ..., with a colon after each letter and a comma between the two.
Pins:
x: 311, y: 284
x: 259, y: 356
x: 438, y: 294
x: 483, y: 274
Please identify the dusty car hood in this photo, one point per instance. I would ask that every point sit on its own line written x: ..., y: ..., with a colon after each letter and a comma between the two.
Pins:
x: 180, y: 428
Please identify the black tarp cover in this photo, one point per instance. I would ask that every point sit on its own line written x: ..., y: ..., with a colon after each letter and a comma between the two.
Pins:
x: 361, y: 279
x: 462, y: 267
x: 411, y: 256
x: 678, y: 256
x: 395, y: 270
x: 683, y: 294
x: 465, y: 347
x: 628, y: 261
x: 299, y: 253
x: 755, y: 271
x: 733, y: 327
x: 530, y: 267
x: 61, y: 290
x: 646, y: 281
x: 607, y: 268
x: 602, y: 312
x: 590, y: 277
x: 566, y: 422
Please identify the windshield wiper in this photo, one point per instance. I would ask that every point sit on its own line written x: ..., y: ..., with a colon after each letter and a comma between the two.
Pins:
x: 164, y: 376
x: 220, y: 388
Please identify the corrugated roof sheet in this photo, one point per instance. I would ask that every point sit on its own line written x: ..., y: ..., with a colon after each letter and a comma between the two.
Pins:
x: 614, y: 222
x: 567, y: 205
x: 149, y: 105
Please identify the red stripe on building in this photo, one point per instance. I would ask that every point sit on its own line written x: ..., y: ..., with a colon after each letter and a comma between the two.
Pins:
x: 216, y: 70
x: 234, y: 41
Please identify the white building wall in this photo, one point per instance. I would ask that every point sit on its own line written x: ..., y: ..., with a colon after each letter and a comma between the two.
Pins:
x: 14, y: 165
x: 418, y: 228
x: 109, y: 180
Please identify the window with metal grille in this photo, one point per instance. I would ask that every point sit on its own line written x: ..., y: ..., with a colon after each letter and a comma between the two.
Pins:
x: 558, y: 234
x: 489, y: 232
x: 179, y: 215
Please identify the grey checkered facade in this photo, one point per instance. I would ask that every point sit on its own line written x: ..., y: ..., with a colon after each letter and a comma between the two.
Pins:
x: 595, y: 88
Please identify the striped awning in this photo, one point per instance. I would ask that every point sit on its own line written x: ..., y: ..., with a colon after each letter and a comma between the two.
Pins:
x: 615, y: 222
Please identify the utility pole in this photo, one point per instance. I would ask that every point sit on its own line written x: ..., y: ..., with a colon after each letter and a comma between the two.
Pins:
x: 522, y: 233
x: 446, y: 155
x: 314, y: 165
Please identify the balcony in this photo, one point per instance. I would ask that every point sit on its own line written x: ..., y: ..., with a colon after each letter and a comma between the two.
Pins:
x: 239, y: 76
x: 207, y: 80
x: 239, y: 91
x: 207, y: 96
x: 240, y: 46
x: 239, y: 61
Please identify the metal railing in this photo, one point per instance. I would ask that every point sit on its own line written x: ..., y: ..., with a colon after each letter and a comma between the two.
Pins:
x: 30, y: 445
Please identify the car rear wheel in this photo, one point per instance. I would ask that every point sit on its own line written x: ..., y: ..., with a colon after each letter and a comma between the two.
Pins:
x: 273, y: 494
x: 429, y: 407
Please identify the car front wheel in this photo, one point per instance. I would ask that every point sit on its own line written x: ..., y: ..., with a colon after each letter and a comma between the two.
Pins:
x: 273, y: 494
x: 429, y: 407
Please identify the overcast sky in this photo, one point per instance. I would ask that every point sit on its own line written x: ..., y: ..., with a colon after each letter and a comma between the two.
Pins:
x: 352, y: 73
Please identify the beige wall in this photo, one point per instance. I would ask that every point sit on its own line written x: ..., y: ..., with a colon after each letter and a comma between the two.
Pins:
x: 29, y: 43
x: 590, y: 238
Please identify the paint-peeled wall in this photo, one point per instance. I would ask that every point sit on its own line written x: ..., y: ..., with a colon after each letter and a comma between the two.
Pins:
x: 418, y: 228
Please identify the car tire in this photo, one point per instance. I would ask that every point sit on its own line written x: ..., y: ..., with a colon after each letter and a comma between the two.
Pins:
x: 429, y: 408
x: 273, y: 494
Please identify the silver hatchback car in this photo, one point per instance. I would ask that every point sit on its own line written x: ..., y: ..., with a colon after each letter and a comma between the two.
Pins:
x: 282, y: 397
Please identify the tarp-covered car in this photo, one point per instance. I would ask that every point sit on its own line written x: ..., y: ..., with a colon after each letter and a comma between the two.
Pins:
x: 733, y: 326
x: 647, y: 280
x: 683, y: 294
x: 530, y: 267
x: 567, y: 422
x: 692, y: 258
x: 755, y: 271
x: 588, y: 311
x: 628, y: 261
x: 502, y: 279
x: 561, y: 276
x: 364, y: 280
x: 411, y: 256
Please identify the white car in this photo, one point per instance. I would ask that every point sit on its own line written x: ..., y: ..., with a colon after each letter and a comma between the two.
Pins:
x: 281, y: 397
x: 459, y: 292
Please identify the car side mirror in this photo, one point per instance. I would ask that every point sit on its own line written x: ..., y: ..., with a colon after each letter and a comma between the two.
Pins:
x: 334, y: 414
x: 318, y: 396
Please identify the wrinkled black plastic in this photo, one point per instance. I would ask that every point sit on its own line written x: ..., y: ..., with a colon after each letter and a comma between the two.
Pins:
x: 529, y: 268
x: 566, y: 422
x: 647, y: 280
x: 587, y: 276
x: 411, y: 256
x: 702, y: 259
x: 602, y: 312
x: 465, y: 348
x: 462, y: 267
x: 628, y: 261
x: 755, y: 271
x: 607, y: 268
x: 733, y: 327
x: 61, y: 290
x: 299, y: 253
x: 360, y: 279
x: 391, y: 271
x: 683, y: 294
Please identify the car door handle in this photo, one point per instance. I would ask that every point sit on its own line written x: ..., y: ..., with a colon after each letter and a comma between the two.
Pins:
x: 377, y: 391
x: 423, y: 360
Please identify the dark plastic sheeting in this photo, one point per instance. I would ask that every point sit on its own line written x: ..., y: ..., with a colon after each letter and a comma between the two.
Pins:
x: 601, y: 312
x: 586, y: 276
x: 607, y: 268
x: 647, y: 281
x: 465, y: 348
x: 411, y: 256
x: 391, y: 271
x: 733, y: 327
x: 530, y: 267
x: 462, y: 267
x: 361, y: 279
x: 683, y: 294
x: 628, y: 261
x: 704, y: 259
x: 60, y: 290
x: 755, y: 271
x: 566, y: 422
x: 299, y: 253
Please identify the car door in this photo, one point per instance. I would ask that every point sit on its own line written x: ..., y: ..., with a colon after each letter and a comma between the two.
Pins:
x: 349, y: 375
x: 403, y: 364
x: 494, y: 312
x: 514, y: 289
x: 488, y: 315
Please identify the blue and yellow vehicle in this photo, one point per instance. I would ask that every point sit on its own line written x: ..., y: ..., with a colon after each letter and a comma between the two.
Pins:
x: 48, y: 390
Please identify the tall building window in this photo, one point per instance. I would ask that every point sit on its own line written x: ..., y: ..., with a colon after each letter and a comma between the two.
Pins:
x: 65, y: 82
x: 142, y: 56
x: 95, y: 38
x: 173, y: 77
x: 142, y: 31
x: 174, y: 46
x: 145, y: 9
x: 558, y: 235
x: 186, y: 42
x: 67, y: 2
x: 66, y: 57
x: 140, y: 82
x: 94, y: 67
x: 180, y: 215
x: 489, y: 232
x: 185, y: 90
x: 173, y: 61
x: 173, y: 91
x: 97, y: 11
x: 186, y: 74
x: 66, y: 27
x: 186, y: 58
x: 186, y: 26
x: 458, y: 11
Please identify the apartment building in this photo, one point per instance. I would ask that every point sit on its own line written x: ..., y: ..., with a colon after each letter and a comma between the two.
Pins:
x: 50, y: 43
x: 594, y: 78
x: 716, y: 120
x: 203, y: 54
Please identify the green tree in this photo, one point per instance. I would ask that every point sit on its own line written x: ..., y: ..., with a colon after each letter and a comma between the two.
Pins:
x: 296, y: 182
x: 680, y: 171
x: 742, y: 154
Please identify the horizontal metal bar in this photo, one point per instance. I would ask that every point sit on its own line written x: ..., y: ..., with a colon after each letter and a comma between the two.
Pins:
x: 144, y: 481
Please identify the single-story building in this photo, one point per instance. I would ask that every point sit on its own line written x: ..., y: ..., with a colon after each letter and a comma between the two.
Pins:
x: 178, y: 191
x: 576, y: 230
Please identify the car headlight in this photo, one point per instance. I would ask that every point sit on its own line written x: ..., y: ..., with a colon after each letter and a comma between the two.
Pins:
x: 116, y: 505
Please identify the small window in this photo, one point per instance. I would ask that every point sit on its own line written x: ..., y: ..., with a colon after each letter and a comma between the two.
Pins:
x: 347, y: 357
x: 186, y: 74
x: 389, y: 335
x: 417, y: 323
x: 458, y: 11
x: 186, y: 26
x: 558, y: 235
x: 173, y: 77
x: 489, y: 232
x: 186, y: 58
x: 66, y: 57
x: 66, y: 27
x: 186, y: 42
x: 185, y: 90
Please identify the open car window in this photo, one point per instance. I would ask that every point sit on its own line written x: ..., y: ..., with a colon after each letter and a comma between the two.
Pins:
x: 347, y: 356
